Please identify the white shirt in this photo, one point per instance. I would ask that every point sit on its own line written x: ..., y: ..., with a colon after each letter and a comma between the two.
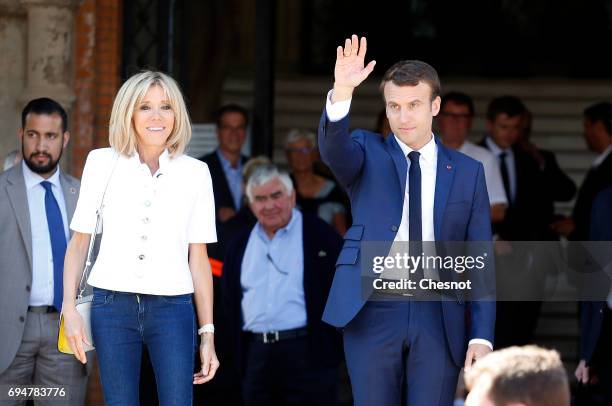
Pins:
x: 428, y: 161
x: 602, y: 157
x: 272, y: 279
x: 42, y: 256
x: 148, y: 221
x: 509, y: 163
x: 495, y: 184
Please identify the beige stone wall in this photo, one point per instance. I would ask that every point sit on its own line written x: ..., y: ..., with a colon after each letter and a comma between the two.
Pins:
x: 36, y: 44
x: 13, y: 30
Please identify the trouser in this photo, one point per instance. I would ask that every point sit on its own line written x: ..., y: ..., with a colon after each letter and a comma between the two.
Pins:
x: 38, y: 362
x: 397, y: 354
x: 122, y: 323
x: 284, y: 373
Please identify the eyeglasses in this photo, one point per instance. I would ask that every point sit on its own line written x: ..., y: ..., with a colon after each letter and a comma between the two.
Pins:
x: 303, y: 150
x: 456, y: 116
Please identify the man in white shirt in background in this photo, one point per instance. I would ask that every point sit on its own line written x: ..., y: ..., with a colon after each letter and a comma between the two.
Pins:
x: 455, y: 122
x: 37, y: 201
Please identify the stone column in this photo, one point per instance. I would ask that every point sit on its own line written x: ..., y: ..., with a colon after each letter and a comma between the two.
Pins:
x: 50, y: 61
x: 50, y: 50
x: 12, y: 72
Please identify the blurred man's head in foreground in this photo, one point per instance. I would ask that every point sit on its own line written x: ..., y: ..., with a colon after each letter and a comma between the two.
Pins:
x: 527, y: 376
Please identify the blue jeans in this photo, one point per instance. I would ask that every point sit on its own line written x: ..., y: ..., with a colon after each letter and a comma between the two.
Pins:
x: 122, y: 323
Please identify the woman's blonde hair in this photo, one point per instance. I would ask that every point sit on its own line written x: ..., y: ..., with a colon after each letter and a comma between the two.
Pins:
x: 122, y: 136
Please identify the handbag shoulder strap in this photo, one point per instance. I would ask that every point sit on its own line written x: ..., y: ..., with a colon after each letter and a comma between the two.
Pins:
x: 92, y: 238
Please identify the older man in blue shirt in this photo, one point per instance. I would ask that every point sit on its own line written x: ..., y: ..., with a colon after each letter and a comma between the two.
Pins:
x: 275, y: 282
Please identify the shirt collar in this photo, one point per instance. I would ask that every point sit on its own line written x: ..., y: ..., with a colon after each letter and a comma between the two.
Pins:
x: 32, y: 179
x: 226, y: 164
x: 602, y: 157
x: 164, y: 161
x: 495, y: 149
x: 466, y: 146
x: 295, y: 218
x: 428, y: 151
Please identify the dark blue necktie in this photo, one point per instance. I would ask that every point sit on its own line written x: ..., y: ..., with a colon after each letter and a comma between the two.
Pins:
x: 415, y: 232
x: 58, y: 243
x: 503, y: 167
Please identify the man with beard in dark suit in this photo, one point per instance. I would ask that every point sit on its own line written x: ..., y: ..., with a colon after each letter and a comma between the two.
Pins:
x: 37, y: 201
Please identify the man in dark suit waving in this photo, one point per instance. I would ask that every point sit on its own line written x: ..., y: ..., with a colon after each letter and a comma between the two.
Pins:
x: 407, y: 187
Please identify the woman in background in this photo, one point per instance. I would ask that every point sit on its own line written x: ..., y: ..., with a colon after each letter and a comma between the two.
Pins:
x: 315, y: 194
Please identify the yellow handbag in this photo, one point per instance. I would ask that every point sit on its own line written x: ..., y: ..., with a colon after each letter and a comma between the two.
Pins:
x: 83, y: 307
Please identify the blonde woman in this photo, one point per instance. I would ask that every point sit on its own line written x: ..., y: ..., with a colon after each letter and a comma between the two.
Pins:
x: 158, y: 216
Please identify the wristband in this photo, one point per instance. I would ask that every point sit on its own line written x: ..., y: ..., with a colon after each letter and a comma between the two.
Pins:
x: 207, y: 328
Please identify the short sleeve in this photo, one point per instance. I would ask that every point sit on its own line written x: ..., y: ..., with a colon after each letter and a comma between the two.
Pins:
x: 201, y: 227
x: 84, y: 218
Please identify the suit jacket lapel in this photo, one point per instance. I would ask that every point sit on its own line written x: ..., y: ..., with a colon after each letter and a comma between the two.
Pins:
x: 445, y: 172
x: 399, y: 160
x: 17, y: 193
x: 70, y: 195
x: 309, y: 265
x: 223, y: 189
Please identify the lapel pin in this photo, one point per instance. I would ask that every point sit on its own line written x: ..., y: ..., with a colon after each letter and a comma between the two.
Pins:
x: 322, y: 253
x: 72, y: 190
x: 449, y: 167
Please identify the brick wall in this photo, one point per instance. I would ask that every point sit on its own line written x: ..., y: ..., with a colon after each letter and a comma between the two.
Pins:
x: 98, y: 42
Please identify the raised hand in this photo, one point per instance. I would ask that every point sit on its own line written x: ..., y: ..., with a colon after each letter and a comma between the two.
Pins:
x: 350, y: 68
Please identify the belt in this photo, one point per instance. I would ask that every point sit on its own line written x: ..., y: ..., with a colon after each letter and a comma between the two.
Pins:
x: 42, y: 309
x: 274, y: 336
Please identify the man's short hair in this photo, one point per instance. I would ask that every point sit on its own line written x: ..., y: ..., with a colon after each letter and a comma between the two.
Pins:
x: 410, y: 73
x: 264, y: 174
x: 231, y: 108
x: 252, y: 164
x: 530, y: 374
x: 509, y: 105
x: 46, y: 106
x: 459, y: 98
x: 600, y: 113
